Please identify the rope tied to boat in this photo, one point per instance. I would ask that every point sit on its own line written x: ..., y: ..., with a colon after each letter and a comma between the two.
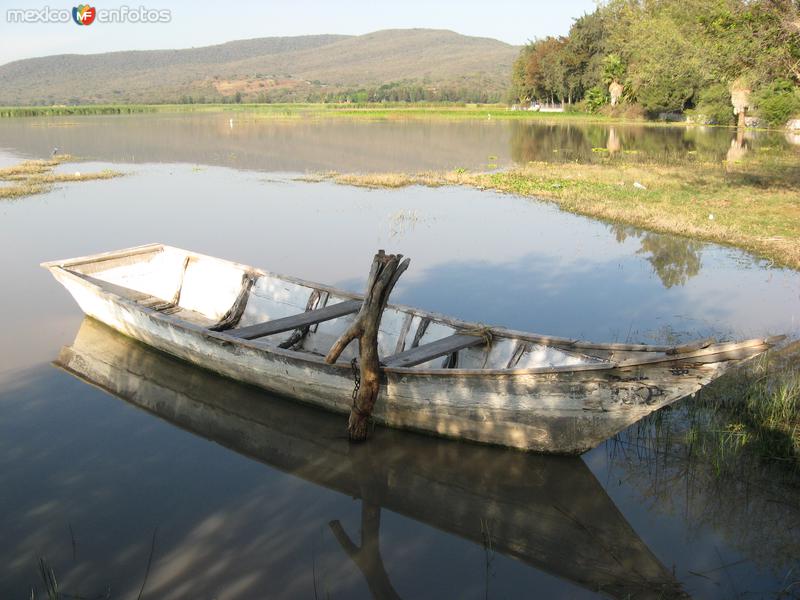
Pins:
x: 484, y: 332
x: 481, y: 331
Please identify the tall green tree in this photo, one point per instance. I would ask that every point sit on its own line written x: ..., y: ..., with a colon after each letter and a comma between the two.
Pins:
x: 676, y: 53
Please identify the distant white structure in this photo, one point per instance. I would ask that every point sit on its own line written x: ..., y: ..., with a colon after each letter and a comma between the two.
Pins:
x: 536, y: 107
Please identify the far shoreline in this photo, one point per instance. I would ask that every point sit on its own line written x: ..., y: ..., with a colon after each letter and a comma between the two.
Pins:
x: 366, y: 111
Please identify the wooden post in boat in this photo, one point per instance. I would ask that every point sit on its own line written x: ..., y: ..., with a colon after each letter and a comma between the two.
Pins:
x: 386, y: 270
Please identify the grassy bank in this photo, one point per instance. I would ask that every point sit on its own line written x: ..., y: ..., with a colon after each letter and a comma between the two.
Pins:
x: 748, y: 417
x: 755, y: 409
x: 753, y: 205
x: 37, y: 176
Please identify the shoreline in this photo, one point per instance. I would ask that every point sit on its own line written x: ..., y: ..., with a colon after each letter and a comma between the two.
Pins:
x: 367, y: 111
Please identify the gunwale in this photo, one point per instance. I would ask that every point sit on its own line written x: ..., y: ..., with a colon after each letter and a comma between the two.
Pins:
x: 664, y: 354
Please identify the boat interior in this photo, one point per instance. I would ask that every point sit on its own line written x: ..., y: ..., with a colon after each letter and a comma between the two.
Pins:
x: 281, y: 311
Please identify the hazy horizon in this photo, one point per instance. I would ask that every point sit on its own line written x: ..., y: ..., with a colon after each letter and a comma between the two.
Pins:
x: 202, y: 24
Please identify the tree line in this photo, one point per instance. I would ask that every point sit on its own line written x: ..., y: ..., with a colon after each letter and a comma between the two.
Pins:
x: 662, y: 56
x: 387, y: 92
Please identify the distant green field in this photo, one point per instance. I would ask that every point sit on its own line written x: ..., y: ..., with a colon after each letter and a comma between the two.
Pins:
x: 89, y: 109
x: 371, y: 111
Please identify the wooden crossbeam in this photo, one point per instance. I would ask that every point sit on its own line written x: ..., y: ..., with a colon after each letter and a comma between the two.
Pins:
x: 310, y: 317
x: 421, y: 354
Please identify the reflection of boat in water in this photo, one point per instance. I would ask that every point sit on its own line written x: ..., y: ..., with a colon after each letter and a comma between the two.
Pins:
x: 438, y: 375
x: 549, y: 512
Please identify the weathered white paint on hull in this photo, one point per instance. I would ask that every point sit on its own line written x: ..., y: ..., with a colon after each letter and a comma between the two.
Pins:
x: 565, y: 410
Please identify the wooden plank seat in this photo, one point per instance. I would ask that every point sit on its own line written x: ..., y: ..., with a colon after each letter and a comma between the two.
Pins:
x: 310, y: 317
x: 421, y: 354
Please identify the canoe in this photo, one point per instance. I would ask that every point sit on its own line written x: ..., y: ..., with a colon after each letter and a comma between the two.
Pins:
x: 439, y: 375
x: 548, y: 512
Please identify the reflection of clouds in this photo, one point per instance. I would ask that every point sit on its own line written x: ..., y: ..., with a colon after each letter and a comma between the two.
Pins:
x: 743, y: 300
x: 236, y: 529
x: 224, y: 552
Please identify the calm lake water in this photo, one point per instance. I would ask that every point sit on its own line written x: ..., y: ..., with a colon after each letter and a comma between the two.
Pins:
x: 149, y: 469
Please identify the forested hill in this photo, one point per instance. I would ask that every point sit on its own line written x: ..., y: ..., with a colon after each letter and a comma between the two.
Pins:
x: 672, y: 56
x: 403, y: 64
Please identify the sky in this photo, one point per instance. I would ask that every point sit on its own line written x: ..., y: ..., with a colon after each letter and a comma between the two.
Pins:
x: 203, y: 23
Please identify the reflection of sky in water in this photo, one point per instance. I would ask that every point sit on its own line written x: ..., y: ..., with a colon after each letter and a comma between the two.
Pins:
x: 228, y: 527
x: 68, y: 456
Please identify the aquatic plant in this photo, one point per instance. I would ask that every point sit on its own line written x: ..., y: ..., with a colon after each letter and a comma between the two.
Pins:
x: 755, y: 409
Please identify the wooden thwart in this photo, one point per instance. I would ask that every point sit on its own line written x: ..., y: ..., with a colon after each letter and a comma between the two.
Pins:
x: 303, y: 319
x: 422, y: 354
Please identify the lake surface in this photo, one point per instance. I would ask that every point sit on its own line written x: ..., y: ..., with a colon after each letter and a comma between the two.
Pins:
x: 250, y: 141
x: 243, y: 495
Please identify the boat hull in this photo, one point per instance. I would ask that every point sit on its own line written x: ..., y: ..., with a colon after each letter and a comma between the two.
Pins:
x: 565, y: 412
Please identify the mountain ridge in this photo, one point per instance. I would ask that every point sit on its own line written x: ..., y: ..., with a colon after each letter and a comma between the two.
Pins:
x: 281, y: 68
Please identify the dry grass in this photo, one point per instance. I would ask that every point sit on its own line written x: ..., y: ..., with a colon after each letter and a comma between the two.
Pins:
x: 36, y: 176
x: 754, y: 205
x: 394, y: 180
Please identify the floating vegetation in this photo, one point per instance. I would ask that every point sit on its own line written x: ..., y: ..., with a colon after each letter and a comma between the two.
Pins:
x: 37, y: 176
x: 403, y: 222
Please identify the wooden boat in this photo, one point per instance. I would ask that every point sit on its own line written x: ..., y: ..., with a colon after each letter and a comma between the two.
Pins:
x: 440, y: 375
x: 549, y: 512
